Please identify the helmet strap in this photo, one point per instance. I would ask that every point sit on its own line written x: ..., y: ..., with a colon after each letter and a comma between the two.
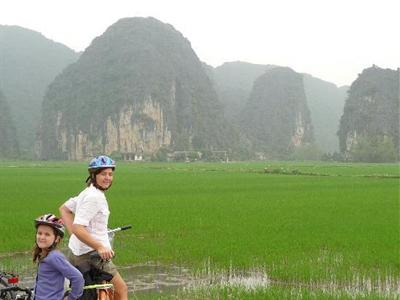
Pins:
x: 54, y: 245
x: 99, y: 187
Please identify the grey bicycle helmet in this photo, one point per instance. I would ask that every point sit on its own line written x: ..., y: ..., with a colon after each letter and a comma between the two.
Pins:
x: 52, y: 221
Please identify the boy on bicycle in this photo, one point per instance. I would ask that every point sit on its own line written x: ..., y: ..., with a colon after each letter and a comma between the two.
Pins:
x: 86, y: 218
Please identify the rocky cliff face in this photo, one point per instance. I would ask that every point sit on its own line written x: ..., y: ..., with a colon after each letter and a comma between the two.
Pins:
x: 372, y: 109
x: 276, y: 117
x: 136, y: 129
x: 137, y: 88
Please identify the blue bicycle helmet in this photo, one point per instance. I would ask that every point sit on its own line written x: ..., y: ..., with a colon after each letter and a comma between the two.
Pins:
x: 101, y: 162
x: 95, y: 166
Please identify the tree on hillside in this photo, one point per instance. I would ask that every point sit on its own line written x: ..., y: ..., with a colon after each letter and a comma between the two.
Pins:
x: 374, y: 149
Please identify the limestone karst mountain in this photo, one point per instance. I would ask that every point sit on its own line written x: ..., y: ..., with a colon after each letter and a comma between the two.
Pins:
x: 276, y: 117
x: 140, y: 88
x: 137, y: 88
x: 28, y: 63
x: 234, y: 81
x: 370, y: 120
x: 8, y: 141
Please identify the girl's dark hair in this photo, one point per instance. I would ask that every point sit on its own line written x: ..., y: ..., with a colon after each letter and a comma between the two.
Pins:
x: 38, y: 254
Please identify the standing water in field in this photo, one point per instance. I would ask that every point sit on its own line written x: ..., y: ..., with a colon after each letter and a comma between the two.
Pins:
x: 150, y: 280
x: 141, y: 279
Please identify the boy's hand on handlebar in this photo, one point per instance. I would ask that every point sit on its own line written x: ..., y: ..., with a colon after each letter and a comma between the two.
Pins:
x: 105, y: 253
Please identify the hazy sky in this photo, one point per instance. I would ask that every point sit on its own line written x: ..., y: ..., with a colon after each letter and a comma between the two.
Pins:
x: 333, y: 40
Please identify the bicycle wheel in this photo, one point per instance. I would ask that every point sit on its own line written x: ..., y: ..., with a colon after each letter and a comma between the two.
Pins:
x: 8, y: 295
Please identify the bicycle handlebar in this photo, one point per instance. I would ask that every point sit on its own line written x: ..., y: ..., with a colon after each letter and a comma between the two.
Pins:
x: 111, y: 232
x: 119, y: 229
x: 126, y: 227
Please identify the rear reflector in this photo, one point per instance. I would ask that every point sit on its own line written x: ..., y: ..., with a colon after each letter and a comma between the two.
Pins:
x: 13, y: 280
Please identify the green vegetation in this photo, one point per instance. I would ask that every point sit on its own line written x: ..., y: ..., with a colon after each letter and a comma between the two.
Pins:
x: 340, y: 228
x: 135, y: 61
x: 374, y: 149
x: 275, y: 112
x: 29, y: 63
x: 8, y: 142
x: 233, y: 83
x: 372, y: 110
x: 277, y: 292
x: 307, y: 152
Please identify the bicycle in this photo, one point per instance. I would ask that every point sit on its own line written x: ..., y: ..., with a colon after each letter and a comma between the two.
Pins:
x: 9, y: 289
x: 100, y: 287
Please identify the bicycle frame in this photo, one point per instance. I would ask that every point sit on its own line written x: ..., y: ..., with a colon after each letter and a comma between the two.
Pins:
x: 7, y: 280
x: 11, y: 293
x: 103, y: 290
x: 11, y: 288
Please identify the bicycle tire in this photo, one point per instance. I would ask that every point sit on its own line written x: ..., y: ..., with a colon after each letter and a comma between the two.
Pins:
x: 9, y: 295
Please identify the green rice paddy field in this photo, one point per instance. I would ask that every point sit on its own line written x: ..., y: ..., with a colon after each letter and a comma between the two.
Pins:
x: 299, y: 230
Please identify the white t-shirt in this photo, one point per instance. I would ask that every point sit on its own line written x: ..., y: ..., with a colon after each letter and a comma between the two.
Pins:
x: 91, y: 210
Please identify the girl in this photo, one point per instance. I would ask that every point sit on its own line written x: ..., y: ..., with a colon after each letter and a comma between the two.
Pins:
x: 53, y: 267
x: 86, y: 218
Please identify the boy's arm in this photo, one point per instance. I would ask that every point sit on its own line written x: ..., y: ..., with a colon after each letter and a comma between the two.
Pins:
x: 84, y: 236
x: 67, y: 217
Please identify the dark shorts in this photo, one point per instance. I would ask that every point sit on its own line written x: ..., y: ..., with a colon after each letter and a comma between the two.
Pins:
x: 85, y: 261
